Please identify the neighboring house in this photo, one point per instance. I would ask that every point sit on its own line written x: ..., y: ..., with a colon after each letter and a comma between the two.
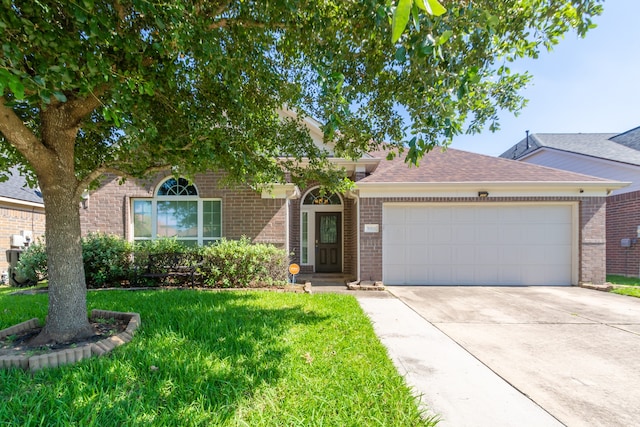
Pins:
x: 606, y: 155
x: 21, y: 214
x: 457, y: 219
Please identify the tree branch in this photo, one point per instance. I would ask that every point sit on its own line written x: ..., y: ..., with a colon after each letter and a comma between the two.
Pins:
x: 81, y: 108
x: 19, y: 135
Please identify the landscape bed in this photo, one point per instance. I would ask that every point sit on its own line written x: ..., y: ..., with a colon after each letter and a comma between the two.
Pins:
x: 217, y: 358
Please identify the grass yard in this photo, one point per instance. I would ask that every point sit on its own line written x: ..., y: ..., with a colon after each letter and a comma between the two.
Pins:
x: 217, y: 359
x: 631, y: 285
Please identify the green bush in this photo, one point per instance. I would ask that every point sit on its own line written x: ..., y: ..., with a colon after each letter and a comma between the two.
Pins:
x: 110, y: 261
x: 163, y: 251
x: 107, y: 259
x: 32, y: 265
x: 242, y: 264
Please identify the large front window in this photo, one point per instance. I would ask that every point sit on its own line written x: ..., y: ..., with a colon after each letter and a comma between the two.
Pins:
x: 177, y: 212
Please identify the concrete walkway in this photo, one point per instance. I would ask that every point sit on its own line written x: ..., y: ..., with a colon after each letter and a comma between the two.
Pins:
x: 451, y: 382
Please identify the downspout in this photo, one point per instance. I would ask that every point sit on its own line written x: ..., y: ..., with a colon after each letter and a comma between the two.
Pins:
x: 295, y: 194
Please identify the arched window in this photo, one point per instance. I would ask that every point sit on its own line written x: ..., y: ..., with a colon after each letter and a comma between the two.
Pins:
x: 177, y: 187
x: 177, y: 212
x: 314, y: 197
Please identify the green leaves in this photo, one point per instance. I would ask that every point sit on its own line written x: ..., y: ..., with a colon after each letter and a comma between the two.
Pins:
x: 432, y: 7
x: 12, y: 82
x: 400, y: 19
x: 406, y: 8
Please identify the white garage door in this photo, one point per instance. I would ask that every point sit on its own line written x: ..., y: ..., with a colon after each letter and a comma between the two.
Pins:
x: 477, y: 244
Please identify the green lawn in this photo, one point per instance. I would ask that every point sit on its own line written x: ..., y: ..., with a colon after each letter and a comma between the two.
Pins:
x: 631, y: 285
x: 217, y: 358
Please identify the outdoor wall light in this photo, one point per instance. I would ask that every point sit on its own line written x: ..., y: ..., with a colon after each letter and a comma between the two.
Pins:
x: 85, y: 199
x: 483, y: 194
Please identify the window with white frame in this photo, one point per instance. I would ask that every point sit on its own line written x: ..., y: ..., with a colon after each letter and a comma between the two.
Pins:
x: 177, y: 212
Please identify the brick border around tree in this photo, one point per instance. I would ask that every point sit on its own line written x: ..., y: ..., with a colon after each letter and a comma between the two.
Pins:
x: 68, y: 356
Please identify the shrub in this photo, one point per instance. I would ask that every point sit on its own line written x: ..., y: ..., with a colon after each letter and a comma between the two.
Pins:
x: 240, y: 263
x: 32, y: 265
x: 163, y: 250
x: 107, y: 259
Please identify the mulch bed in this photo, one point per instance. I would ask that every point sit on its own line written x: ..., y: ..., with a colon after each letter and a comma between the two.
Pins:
x: 18, y: 344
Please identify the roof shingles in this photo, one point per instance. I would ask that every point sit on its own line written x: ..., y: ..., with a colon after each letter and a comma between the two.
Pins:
x: 453, y: 165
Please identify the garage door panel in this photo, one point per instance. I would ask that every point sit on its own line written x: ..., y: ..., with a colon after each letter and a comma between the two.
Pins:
x: 510, y: 233
x: 440, y: 215
x: 510, y: 274
x: 395, y: 234
x: 478, y: 244
x: 417, y: 236
x: 416, y: 216
x: 488, y: 234
x: 442, y: 234
x: 438, y: 255
x: 487, y: 274
x: 395, y: 216
x: 487, y: 254
x: 557, y: 255
x: 464, y: 234
x: 396, y: 256
x: 464, y: 216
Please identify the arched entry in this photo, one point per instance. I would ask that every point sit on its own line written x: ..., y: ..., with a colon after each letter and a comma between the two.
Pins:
x: 321, y: 231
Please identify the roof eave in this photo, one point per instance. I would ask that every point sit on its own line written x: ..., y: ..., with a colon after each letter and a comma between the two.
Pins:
x: 495, y: 188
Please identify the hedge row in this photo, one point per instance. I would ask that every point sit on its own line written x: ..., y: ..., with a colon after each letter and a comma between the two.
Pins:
x: 111, y: 261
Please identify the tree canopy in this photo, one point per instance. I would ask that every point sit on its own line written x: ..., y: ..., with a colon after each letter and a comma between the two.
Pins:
x: 133, y: 86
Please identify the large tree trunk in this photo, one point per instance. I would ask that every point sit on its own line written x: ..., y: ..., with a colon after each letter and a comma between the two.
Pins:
x: 67, y: 319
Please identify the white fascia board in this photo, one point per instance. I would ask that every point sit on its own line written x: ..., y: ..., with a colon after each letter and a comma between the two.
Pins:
x: 21, y: 202
x: 495, y: 189
x: 279, y: 191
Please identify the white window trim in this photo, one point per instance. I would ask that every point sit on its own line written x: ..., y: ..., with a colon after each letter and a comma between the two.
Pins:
x: 311, y: 224
x: 154, y: 215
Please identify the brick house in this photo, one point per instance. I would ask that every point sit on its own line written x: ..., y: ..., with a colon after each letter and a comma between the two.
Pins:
x: 606, y: 155
x: 21, y: 214
x: 457, y: 219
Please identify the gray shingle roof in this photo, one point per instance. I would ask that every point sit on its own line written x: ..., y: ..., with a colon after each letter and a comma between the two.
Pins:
x: 457, y: 166
x: 624, y: 148
x: 16, y: 188
x: 630, y: 138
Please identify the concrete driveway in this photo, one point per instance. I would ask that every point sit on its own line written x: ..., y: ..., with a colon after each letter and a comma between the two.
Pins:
x: 573, y: 351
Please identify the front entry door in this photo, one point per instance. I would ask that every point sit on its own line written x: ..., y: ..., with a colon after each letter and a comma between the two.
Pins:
x: 328, y: 242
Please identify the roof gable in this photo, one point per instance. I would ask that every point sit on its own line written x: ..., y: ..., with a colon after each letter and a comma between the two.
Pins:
x: 622, y: 148
x: 630, y: 138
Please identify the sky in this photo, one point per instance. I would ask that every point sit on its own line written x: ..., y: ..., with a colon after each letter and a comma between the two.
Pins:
x: 585, y: 85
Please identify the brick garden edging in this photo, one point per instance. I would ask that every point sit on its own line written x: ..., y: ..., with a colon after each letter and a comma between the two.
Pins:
x: 70, y: 355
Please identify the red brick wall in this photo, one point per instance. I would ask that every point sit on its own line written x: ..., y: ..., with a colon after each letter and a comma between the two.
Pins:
x: 371, y: 243
x: 13, y: 219
x: 350, y: 238
x: 593, y: 241
x: 592, y: 245
x: 623, y: 218
x: 244, y: 211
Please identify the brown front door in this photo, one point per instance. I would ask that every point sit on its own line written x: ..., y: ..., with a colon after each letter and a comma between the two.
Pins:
x: 328, y: 242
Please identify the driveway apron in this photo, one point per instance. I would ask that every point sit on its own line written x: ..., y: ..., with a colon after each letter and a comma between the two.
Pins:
x: 574, y: 352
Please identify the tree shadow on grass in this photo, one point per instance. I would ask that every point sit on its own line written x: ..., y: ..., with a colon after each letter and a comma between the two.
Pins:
x: 197, y: 358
